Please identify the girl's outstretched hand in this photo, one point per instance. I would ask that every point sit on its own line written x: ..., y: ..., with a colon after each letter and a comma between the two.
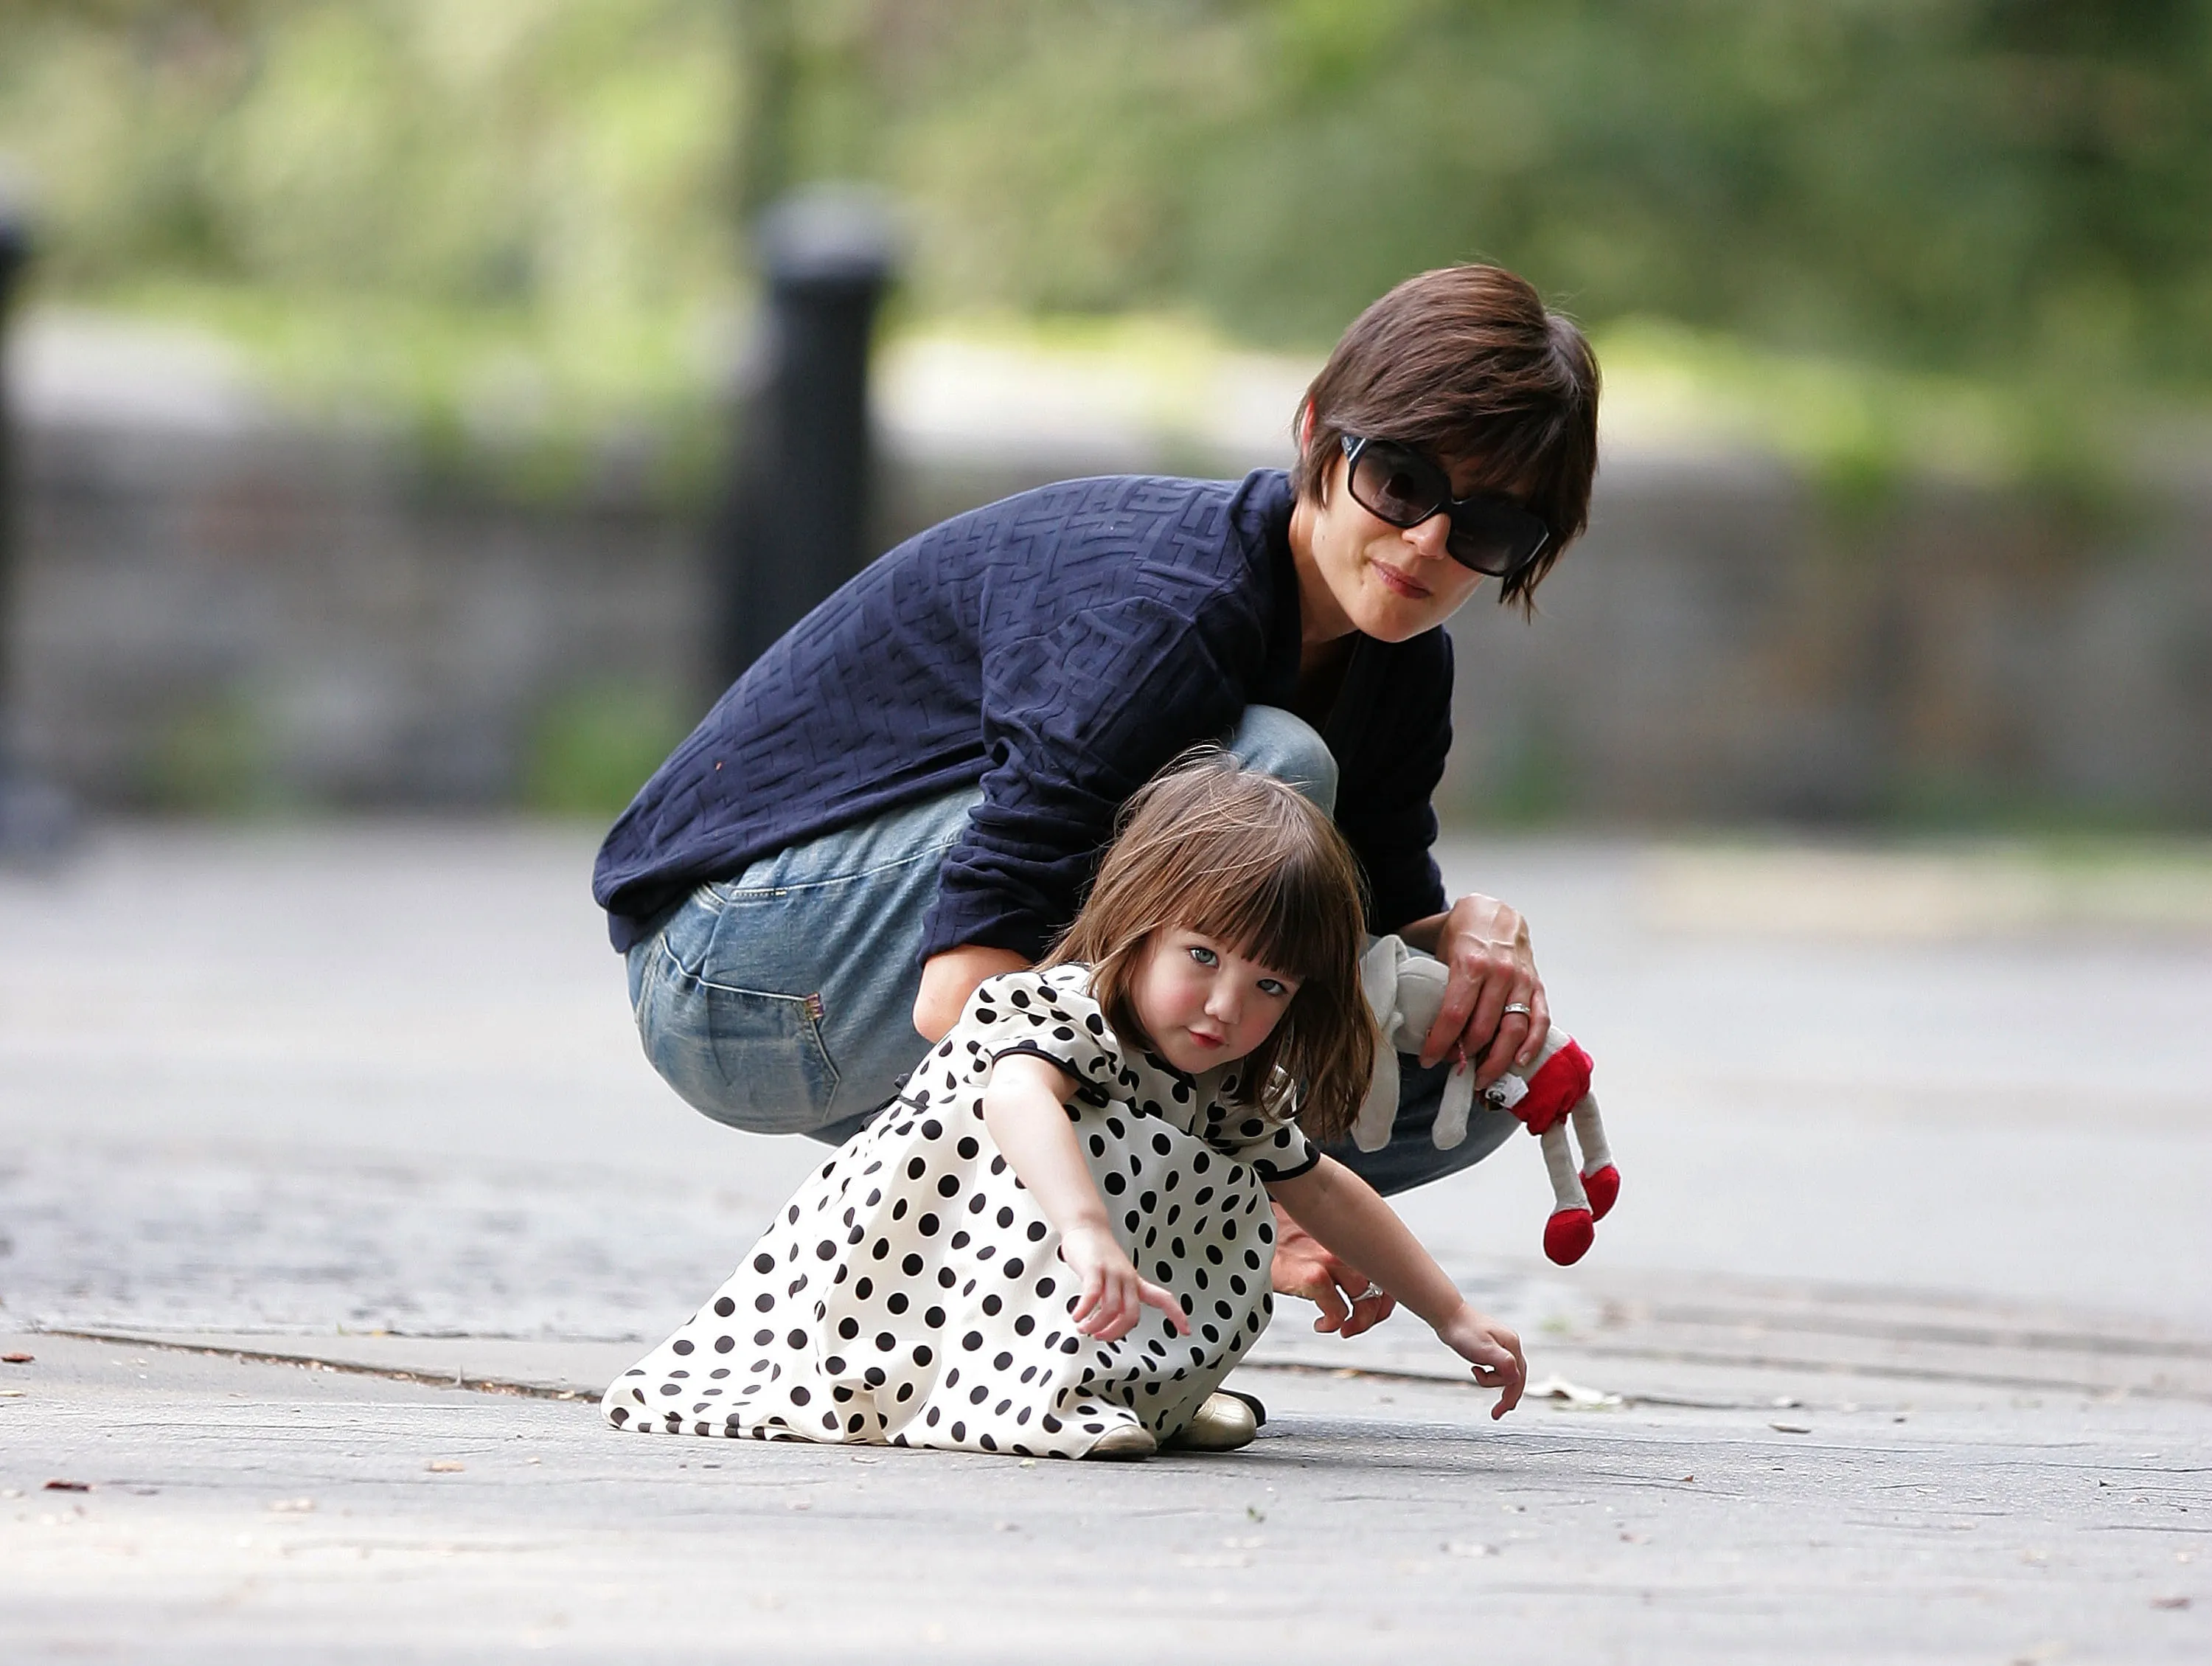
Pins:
x: 1493, y: 1350
x: 1113, y: 1296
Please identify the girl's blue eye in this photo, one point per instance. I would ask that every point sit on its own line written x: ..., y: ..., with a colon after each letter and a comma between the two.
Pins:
x: 1202, y: 955
x: 1269, y: 986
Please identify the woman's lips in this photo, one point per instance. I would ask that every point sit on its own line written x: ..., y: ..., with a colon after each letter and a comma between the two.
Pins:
x: 1399, y: 584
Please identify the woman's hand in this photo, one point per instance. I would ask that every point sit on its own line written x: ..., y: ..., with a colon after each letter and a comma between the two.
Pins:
x: 1484, y: 946
x: 1113, y: 1296
x: 1305, y: 1268
x: 1493, y: 1350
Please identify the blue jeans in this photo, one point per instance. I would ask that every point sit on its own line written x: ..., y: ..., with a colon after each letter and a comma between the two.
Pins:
x: 782, y: 1001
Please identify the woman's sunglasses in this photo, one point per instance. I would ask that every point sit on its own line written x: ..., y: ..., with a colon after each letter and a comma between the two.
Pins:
x: 1395, y: 484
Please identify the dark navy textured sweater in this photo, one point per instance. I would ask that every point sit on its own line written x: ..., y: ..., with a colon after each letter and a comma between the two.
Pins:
x: 1058, y: 647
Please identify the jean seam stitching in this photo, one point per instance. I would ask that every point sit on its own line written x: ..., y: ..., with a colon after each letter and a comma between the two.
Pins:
x: 733, y: 893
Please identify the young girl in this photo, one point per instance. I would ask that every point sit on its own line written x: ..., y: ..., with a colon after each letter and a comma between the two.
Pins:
x: 1095, y: 1139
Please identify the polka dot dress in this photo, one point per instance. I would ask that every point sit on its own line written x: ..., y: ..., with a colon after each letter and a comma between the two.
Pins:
x: 912, y: 1292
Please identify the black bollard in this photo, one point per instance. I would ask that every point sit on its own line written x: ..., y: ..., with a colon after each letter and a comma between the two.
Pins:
x: 796, y: 525
x: 36, y: 821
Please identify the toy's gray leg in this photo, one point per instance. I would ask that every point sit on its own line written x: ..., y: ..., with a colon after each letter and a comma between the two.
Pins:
x: 1411, y: 1158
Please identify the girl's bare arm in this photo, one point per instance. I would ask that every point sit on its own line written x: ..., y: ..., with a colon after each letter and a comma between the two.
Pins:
x: 1346, y: 1214
x: 1026, y: 1109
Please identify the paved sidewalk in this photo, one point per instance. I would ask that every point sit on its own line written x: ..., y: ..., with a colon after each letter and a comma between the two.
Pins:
x: 1899, y: 1346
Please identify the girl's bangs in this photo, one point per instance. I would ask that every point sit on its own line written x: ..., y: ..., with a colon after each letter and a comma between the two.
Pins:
x: 1273, y: 905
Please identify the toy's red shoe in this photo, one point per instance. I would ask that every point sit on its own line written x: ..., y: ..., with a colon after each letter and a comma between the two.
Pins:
x: 1602, y: 1187
x: 1568, y: 1235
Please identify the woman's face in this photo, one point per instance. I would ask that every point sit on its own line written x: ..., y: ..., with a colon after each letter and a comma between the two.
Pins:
x: 1357, y: 572
x: 1202, y: 1003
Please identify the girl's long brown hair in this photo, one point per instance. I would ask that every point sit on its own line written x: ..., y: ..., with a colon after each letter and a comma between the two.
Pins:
x: 1209, y: 847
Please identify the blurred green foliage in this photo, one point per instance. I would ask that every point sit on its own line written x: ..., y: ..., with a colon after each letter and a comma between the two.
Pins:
x: 592, y: 747
x: 214, y: 755
x: 2015, y: 189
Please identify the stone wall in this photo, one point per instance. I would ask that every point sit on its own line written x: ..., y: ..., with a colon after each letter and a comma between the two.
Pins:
x: 274, y: 616
x: 1727, y: 645
x: 247, y: 612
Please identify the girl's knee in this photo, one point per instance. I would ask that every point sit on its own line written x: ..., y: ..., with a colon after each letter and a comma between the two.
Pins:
x: 1276, y: 742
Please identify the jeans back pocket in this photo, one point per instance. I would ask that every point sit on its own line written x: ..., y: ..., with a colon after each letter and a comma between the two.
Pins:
x: 751, y: 1058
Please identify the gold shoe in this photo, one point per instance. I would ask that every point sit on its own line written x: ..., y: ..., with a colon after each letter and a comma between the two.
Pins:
x: 1125, y: 1445
x: 1223, y: 1424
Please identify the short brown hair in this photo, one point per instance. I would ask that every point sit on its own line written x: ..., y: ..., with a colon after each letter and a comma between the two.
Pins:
x: 1465, y: 362
x: 1210, y: 847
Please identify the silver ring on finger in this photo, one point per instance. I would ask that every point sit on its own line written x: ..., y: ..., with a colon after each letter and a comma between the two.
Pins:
x: 1520, y: 1006
x: 1369, y: 1294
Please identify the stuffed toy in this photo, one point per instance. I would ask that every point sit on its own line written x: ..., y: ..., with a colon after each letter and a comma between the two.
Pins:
x: 1404, y: 990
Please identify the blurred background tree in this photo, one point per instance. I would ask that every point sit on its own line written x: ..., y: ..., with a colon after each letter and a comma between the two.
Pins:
x: 2016, y: 190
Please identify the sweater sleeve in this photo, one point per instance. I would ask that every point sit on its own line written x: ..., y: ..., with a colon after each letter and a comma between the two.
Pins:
x: 1076, y: 717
